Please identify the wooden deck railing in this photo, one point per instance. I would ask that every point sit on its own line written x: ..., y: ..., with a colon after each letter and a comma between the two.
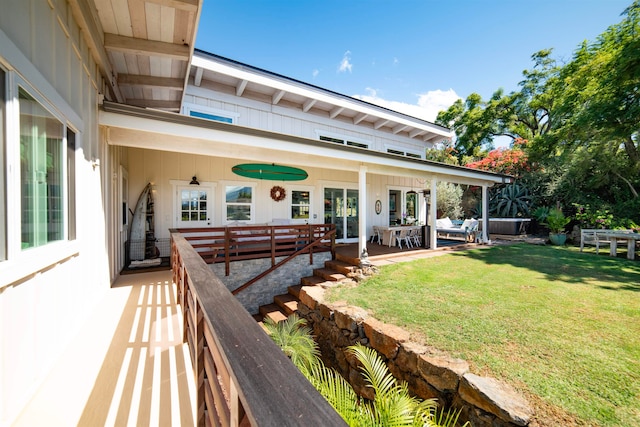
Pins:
x: 228, y: 244
x: 242, y: 377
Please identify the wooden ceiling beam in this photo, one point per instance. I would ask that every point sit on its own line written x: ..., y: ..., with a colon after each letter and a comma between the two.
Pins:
x: 150, y: 81
x: 277, y: 97
x: 360, y: 117
x: 380, y: 123
x: 308, y: 104
x: 396, y: 130
x: 135, y: 46
x: 186, y: 5
x: 334, y: 113
x: 197, y: 80
x: 416, y: 132
x: 241, y: 87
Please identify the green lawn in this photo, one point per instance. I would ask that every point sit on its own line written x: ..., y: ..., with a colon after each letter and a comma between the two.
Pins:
x: 561, y: 326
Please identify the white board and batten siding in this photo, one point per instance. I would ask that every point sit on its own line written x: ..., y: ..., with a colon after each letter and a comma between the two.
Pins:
x: 263, y: 115
x: 46, y: 292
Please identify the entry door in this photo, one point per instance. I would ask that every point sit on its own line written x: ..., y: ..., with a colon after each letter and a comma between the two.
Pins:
x: 341, y: 209
x: 194, y: 206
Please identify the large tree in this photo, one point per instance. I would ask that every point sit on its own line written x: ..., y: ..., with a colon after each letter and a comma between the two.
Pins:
x: 582, y: 119
x: 522, y: 114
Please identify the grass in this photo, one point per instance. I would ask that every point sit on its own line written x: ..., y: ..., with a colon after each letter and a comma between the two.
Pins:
x: 561, y: 326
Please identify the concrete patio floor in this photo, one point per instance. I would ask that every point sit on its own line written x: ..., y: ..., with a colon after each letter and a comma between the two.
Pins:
x: 128, y: 365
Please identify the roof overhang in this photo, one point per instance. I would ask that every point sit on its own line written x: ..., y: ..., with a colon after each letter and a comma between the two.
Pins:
x: 157, y: 130
x: 226, y: 76
x: 143, y: 48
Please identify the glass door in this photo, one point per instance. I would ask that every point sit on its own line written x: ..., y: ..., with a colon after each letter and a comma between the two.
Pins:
x: 194, y: 206
x: 341, y: 209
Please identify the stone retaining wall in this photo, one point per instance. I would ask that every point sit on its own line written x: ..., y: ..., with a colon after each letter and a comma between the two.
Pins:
x: 275, y: 283
x: 429, y: 373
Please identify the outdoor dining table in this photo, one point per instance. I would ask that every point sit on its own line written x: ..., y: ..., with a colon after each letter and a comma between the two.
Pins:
x: 629, y: 236
x: 389, y: 233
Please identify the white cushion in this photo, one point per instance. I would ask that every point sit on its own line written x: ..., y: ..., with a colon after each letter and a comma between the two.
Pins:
x: 467, y: 224
x: 444, y: 223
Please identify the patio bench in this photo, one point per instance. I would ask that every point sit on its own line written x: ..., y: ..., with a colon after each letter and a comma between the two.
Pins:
x: 468, y: 228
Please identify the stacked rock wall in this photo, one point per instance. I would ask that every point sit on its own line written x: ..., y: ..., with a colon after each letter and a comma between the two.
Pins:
x: 428, y: 372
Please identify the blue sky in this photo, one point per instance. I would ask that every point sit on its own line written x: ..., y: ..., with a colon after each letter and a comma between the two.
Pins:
x: 412, y: 56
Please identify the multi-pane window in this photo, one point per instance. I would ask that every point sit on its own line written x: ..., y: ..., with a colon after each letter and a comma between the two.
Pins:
x: 193, y: 206
x: 41, y: 174
x: 300, y: 203
x: 239, y: 203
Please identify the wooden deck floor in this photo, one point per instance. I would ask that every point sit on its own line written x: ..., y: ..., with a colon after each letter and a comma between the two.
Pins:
x: 383, y: 252
x: 127, y: 367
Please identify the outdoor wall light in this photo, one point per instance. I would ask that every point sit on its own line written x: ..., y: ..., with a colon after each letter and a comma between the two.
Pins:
x: 194, y: 181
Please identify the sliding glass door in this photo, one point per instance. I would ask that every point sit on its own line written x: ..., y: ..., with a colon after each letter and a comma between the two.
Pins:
x: 341, y: 209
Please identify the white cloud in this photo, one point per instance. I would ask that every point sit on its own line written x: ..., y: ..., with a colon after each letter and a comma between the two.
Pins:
x: 345, y: 64
x: 315, y: 73
x: 426, y: 108
x: 395, y: 61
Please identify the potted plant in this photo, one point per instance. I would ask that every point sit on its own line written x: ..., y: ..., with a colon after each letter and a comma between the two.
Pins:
x: 556, y: 221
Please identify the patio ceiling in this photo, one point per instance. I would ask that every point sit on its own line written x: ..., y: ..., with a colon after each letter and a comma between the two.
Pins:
x: 146, y: 47
x: 233, y: 78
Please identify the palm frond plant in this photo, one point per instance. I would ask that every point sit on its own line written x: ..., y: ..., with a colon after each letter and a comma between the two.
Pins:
x: 295, y: 339
x: 392, y: 405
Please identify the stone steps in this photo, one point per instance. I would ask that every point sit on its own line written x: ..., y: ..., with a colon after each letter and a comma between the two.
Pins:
x: 329, y: 275
x: 286, y: 304
x: 273, y: 312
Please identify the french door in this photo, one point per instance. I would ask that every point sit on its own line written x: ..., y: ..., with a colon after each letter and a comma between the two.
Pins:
x: 341, y: 209
x: 194, y: 206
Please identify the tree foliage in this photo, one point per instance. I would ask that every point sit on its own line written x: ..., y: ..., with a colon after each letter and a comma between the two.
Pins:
x: 581, y: 119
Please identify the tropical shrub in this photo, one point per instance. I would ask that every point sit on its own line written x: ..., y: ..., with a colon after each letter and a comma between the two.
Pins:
x: 556, y: 220
x: 510, y: 201
x: 392, y: 404
x: 449, y: 200
x: 593, y: 218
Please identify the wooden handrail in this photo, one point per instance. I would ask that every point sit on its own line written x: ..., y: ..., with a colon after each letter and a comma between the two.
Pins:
x: 228, y: 244
x: 329, y: 234
x: 242, y: 377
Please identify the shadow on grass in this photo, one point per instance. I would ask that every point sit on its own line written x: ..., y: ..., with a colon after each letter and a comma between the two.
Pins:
x: 563, y: 263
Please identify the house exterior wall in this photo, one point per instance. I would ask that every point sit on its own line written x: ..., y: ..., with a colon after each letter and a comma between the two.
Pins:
x: 46, y: 291
x: 164, y: 168
x: 291, y: 121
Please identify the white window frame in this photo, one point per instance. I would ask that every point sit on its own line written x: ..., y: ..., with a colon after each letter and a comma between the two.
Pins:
x: 252, y: 205
x: 344, y: 138
x: 19, y: 263
x: 177, y: 184
x: 188, y: 108
x: 404, y: 151
x: 308, y: 189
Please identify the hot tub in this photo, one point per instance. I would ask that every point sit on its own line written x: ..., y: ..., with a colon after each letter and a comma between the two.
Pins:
x: 512, y: 226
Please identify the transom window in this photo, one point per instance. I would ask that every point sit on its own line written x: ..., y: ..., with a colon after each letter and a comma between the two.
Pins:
x: 343, y: 140
x: 210, y: 113
x: 402, y: 152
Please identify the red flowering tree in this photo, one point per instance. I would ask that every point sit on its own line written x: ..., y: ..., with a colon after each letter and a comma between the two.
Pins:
x: 510, y: 161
